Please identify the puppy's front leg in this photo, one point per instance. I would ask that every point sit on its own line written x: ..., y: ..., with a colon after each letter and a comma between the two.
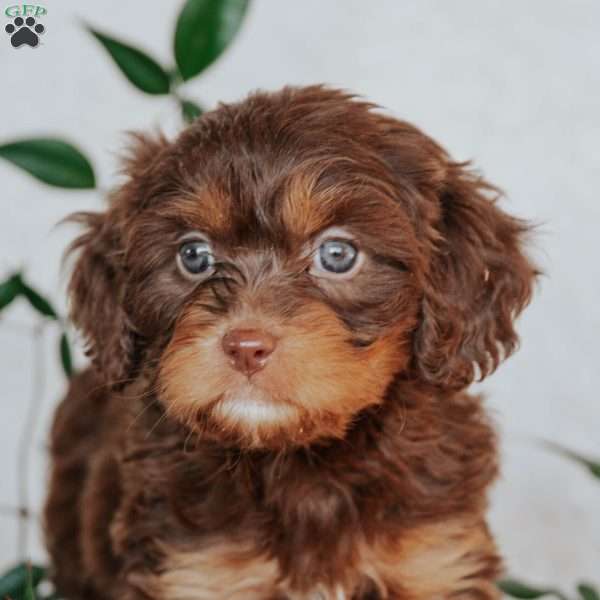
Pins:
x: 453, y: 559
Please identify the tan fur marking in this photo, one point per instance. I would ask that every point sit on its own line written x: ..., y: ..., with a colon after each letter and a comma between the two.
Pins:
x: 208, y: 210
x: 226, y: 570
x: 294, y: 398
x: 221, y: 571
x: 437, y: 561
x: 300, y: 211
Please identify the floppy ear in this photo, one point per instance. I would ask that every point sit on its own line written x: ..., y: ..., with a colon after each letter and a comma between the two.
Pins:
x: 96, y: 292
x: 97, y: 285
x: 479, y: 280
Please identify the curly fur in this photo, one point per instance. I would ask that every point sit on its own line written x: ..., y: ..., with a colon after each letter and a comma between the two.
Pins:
x: 354, y: 466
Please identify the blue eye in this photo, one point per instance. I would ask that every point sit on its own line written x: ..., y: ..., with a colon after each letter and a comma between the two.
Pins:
x: 336, y: 256
x: 195, y: 258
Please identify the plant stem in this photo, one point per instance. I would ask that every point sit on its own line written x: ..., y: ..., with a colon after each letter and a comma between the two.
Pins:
x: 25, y: 443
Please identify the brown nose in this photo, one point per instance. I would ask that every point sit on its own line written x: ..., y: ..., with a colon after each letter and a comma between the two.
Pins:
x: 248, y: 349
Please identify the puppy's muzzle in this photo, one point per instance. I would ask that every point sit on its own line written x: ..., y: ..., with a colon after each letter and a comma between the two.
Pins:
x: 248, y: 350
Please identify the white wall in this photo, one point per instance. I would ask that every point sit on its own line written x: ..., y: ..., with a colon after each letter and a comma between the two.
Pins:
x: 514, y: 85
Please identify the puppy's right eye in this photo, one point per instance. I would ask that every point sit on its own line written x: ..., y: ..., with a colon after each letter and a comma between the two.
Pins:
x: 195, y: 259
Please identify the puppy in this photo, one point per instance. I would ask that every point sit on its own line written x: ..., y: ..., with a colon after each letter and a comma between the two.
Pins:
x: 284, y: 307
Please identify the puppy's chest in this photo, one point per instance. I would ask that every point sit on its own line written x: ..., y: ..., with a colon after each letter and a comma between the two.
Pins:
x: 428, y: 563
x: 227, y: 569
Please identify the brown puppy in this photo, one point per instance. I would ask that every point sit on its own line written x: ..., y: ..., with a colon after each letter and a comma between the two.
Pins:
x: 283, y: 307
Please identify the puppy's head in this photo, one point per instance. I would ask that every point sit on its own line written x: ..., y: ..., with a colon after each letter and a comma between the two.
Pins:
x: 277, y: 266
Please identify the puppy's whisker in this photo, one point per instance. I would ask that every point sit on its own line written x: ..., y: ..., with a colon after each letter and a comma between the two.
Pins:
x: 107, y: 385
x: 152, y: 390
x: 140, y: 413
x: 158, y: 422
x: 187, y: 439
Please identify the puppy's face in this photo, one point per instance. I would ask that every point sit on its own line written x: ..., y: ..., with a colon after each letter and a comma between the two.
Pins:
x: 296, y: 307
x: 276, y: 268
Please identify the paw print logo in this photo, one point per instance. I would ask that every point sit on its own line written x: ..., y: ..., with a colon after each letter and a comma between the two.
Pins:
x: 24, y: 32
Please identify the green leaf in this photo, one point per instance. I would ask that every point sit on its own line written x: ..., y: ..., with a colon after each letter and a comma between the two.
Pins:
x: 204, y: 29
x: 518, y: 589
x: 141, y: 70
x: 52, y: 161
x: 189, y: 110
x: 592, y: 465
x: 15, y: 286
x: 15, y: 583
x: 587, y: 592
x: 38, y: 302
x: 10, y: 289
x: 65, y: 355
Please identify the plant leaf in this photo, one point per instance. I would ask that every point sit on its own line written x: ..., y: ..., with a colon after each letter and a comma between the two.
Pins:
x: 189, y: 110
x: 518, y: 589
x: 52, y: 161
x: 204, y: 29
x: 141, y: 70
x: 38, y: 302
x: 14, y: 583
x: 587, y: 592
x: 592, y: 465
x: 10, y: 289
x: 65, y: 355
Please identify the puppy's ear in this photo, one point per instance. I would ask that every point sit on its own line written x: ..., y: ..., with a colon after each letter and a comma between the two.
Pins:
x: 97, y: 286
x: 479, y: 280
x: 96, y: 293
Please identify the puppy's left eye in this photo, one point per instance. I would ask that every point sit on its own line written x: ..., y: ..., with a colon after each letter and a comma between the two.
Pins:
x: 336, y: 257
x: 195, y: 259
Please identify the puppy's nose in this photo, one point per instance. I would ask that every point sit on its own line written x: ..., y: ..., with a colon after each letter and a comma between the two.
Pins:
x: 248, y: 349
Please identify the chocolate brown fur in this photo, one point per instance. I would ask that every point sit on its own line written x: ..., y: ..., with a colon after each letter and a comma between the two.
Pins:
x: 367, y: 476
